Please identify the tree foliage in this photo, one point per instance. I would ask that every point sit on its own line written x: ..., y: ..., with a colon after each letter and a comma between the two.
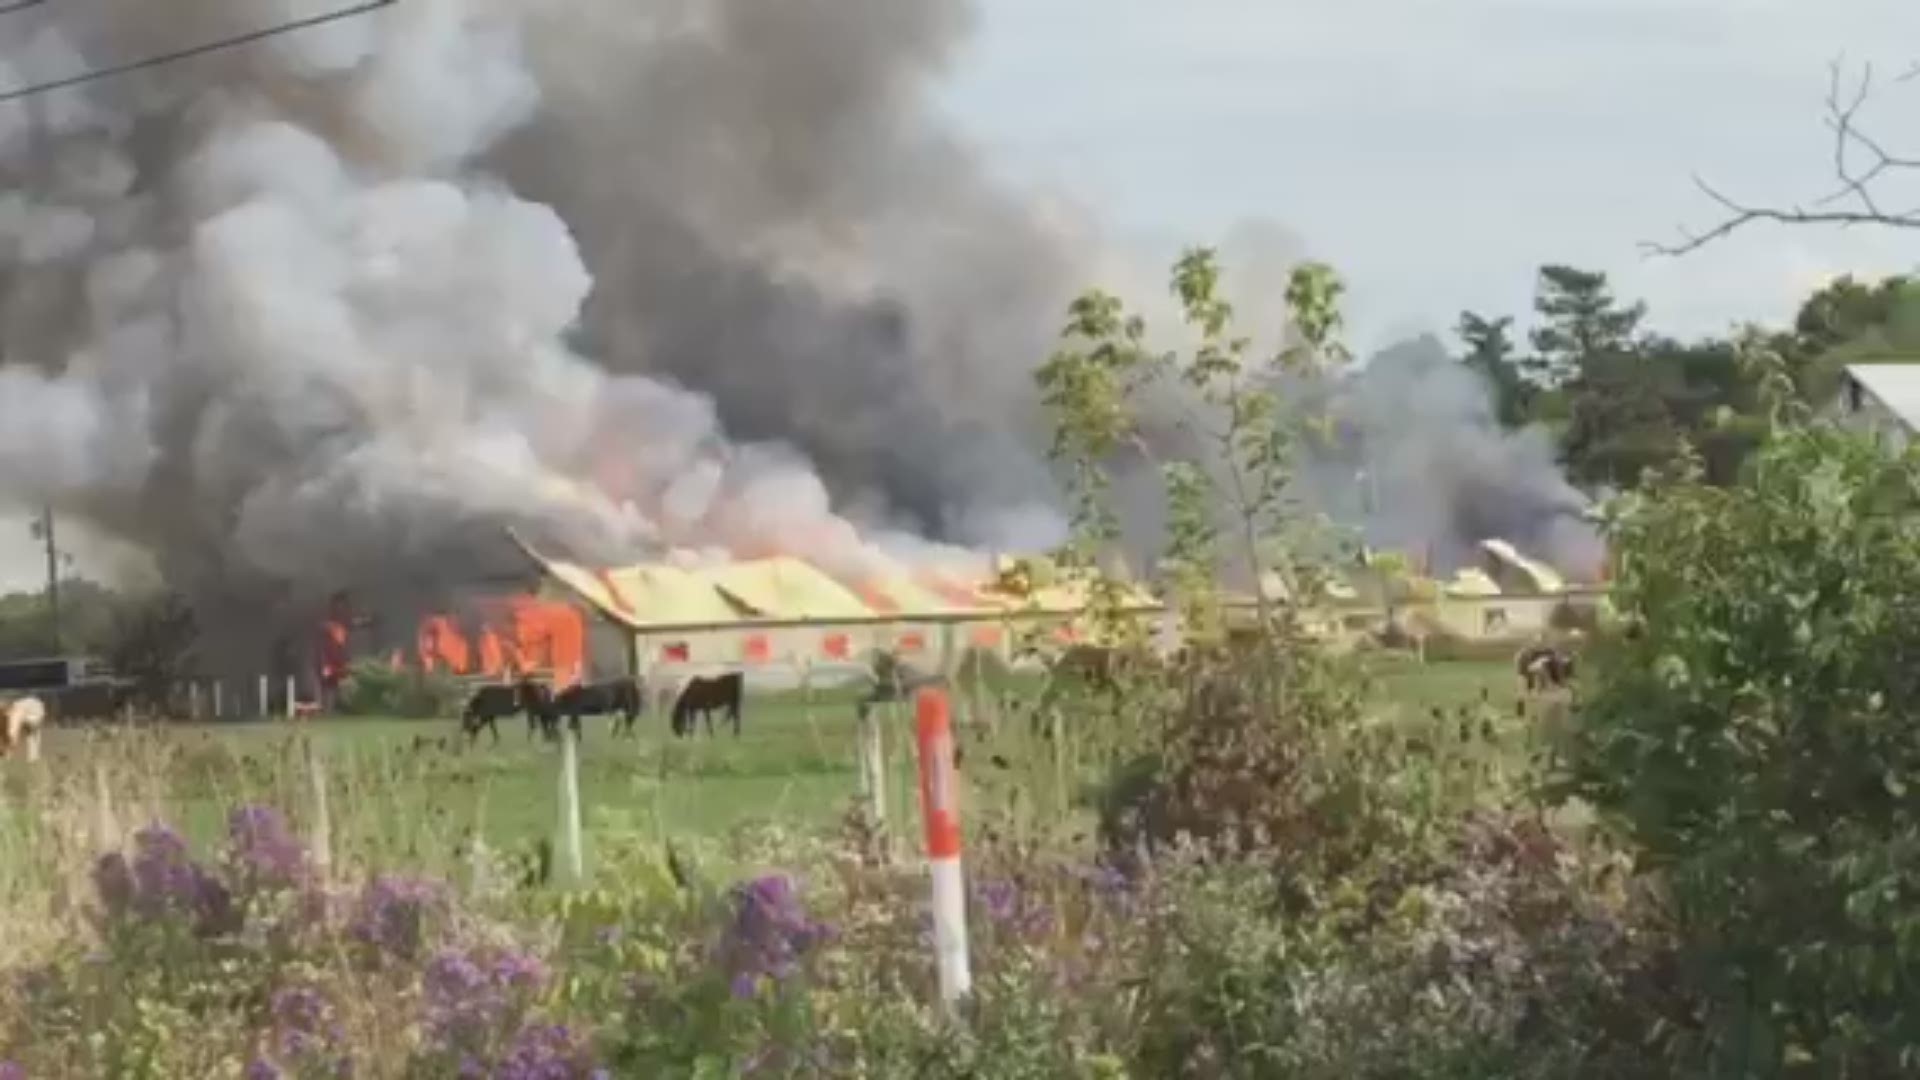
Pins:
x: 1756, y: 737
x: 1491, y: 352
x: 1621, y: 399
x: 1581, y: 323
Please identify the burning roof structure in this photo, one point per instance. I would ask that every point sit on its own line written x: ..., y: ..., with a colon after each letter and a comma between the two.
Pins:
x: 543, y: 630
x: 785, y: 588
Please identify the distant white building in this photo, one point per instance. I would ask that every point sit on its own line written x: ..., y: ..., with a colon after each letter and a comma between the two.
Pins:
x: 1880, y: 398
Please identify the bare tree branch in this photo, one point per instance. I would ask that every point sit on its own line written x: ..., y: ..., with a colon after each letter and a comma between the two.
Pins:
x: 1861, y: 163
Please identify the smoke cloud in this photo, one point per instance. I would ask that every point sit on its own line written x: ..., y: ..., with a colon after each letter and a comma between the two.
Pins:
x: 331, y: 310
x: 1420, y: 464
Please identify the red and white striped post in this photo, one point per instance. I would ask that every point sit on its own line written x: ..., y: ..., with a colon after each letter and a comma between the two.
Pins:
x: 940, y: 809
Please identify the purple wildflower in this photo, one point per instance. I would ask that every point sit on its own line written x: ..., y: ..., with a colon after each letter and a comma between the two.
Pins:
x: 10, y: 1070
x: 162, y: 879
x: 307, y: 1033
x: 771, y: 931
x: 1000, y: 899
x: 470, y: 998
x: 263, y: 850
x: 1109, y: 884
x: 392, y: 914
x: 545, y: 1052
x: 261, y: 1069
x: 1010, y: 908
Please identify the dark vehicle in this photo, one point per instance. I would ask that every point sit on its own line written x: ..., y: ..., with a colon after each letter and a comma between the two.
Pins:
x: 73, y: 687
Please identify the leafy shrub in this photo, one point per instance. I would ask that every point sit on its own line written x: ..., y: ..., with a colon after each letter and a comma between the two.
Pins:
x: 373, y: 688
x: 1755, y: 735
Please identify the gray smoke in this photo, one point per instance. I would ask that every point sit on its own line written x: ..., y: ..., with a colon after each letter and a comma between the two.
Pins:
x: 331, y: 310
x: 773, y: 214
x: 1420, y: 464
x: 294, y: 318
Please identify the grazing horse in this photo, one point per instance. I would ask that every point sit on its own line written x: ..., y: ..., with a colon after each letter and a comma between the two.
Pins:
x: 24, y: 719
x: 1543, y: 666
x: 704, y: 695
x: 621, y: 697
x: 489, y: 703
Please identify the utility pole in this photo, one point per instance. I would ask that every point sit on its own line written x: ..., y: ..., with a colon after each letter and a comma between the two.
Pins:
x: 53, y: 579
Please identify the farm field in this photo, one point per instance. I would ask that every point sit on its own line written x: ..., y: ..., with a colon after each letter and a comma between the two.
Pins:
x: 728, y: 883
x: 412, y: 792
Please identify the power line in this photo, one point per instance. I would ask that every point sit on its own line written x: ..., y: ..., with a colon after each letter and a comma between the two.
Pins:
x: 188, y: 53
x: 19, y: 5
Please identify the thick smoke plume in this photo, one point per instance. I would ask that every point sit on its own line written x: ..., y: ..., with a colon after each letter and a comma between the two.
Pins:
x: 1420, y: 464
x: 332, y: 310
x: 324, y: 312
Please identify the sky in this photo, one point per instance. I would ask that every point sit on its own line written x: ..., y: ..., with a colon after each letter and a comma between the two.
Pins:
x: 1435, y: 151
x: 1438, y: 151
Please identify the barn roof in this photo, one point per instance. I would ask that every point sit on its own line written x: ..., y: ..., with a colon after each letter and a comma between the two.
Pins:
x: 785, y: 588
x: 662, y: 594
x: 892, y: 593
x: 1895, y: 386
x: 1543, y: 577
x: 1469, y: 581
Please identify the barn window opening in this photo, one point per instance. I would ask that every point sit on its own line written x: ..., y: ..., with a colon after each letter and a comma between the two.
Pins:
x: 1853, y: 395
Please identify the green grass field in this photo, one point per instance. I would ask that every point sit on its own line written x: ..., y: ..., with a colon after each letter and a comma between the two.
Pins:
x: 411, y: 791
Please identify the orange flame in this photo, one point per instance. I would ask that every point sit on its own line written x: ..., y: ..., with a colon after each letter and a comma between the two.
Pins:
x: 519, y: 635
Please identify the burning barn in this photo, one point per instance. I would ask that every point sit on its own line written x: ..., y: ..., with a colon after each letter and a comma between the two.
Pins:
x: 491, y: 633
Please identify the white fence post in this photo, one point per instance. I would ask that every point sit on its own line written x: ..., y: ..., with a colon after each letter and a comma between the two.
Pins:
x: 873, y: 766
x: 570, y: 847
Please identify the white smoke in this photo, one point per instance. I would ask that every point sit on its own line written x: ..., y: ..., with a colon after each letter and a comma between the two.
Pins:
x: 276, y: 322
x: 333, y: 309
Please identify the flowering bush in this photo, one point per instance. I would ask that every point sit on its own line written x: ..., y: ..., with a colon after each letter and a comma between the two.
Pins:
x: 248, y: 964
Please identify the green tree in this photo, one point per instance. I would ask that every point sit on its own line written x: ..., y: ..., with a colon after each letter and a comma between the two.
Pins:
x: 1614, y: 421
x: 1851, y: 322
x: 88, y: 611
x: 1711, y: 399
x: 1755, y: 735
x: 1491, y: 352
x: 1580, y: 322
x: 1250, y: 741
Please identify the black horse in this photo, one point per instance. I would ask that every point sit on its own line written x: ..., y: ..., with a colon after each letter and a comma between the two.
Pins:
x: 1543, y: 666
x: 705, y: 695
x: 489, y: 703
x: 620, y: 697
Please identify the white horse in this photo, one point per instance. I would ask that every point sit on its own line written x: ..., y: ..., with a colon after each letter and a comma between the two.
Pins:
x: 25, y: 717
